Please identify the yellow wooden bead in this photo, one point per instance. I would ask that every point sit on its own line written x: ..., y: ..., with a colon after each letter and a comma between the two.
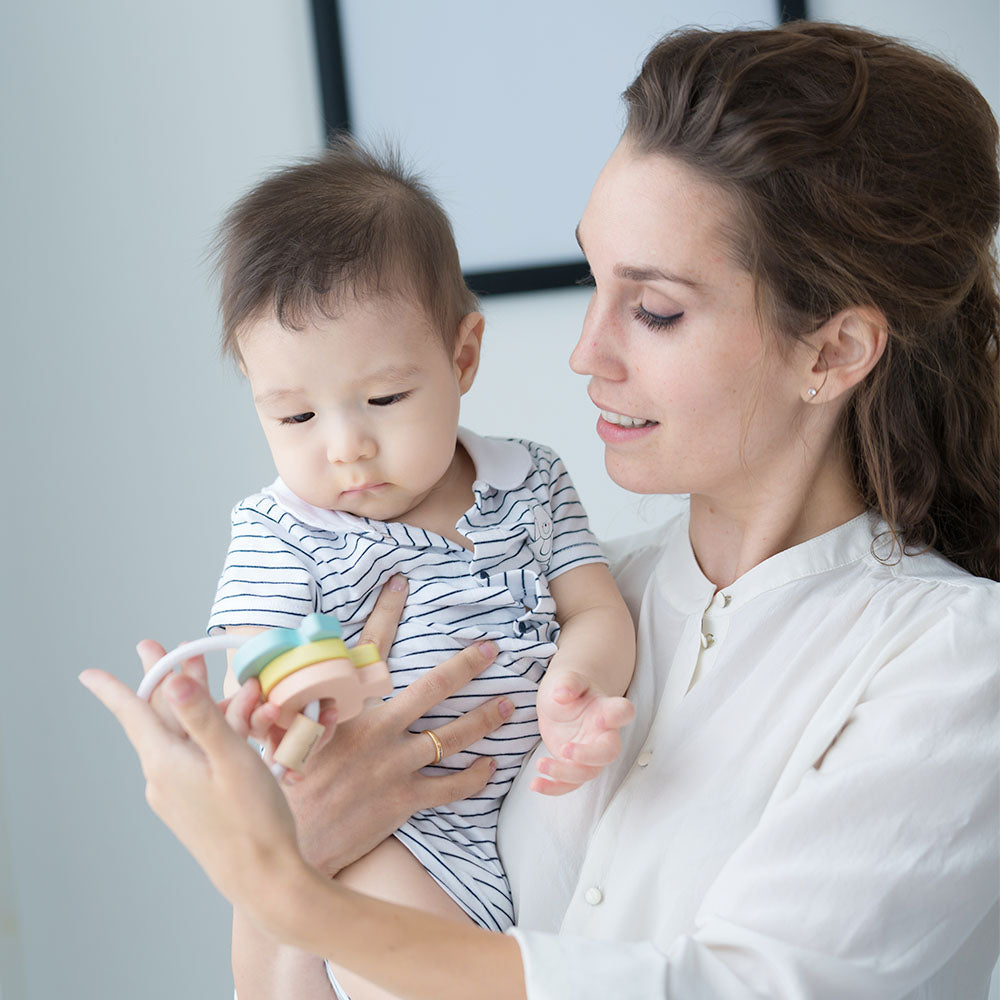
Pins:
x: 295, y: 659
x: 363, y: 654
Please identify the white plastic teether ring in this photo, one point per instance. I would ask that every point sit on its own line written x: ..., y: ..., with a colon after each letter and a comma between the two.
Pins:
x: 177, y: 656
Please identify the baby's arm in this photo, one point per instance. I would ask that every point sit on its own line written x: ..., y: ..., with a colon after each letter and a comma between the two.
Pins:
x: 580, y: 708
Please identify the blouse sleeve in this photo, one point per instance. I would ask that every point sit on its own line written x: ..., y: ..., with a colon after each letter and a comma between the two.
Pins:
x: 873, y: 872
x: 269, y: 579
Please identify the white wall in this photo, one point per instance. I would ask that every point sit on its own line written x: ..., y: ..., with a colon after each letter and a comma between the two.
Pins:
x: 127, y: 127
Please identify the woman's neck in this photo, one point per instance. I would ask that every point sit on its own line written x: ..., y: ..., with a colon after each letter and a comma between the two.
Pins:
x: 731, y: 535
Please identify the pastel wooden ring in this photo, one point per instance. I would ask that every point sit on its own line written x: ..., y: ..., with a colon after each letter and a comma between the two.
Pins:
x: 295, y: 659
x: 259, y: 650
x: 335, y: 679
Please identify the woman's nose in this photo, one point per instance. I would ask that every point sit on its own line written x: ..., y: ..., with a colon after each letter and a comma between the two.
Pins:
x: 600, y: 349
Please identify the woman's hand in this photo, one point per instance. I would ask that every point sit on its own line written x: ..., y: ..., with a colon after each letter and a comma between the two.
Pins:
x: 203, y: 779
x: 243, y: 710
x: 365, y: 781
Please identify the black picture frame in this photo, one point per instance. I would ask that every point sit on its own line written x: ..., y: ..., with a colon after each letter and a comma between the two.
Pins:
x: 336, y: 104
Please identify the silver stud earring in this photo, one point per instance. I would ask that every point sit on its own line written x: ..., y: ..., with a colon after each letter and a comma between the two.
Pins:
x: 810, y: 392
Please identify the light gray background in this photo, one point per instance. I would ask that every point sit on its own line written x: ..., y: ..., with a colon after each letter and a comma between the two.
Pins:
x: 126, y: 129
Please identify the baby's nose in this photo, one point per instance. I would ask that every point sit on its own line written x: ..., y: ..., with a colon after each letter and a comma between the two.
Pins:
x: 349, y: 443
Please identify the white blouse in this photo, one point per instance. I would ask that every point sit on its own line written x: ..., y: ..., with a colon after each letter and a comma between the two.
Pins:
x: 815, y: 817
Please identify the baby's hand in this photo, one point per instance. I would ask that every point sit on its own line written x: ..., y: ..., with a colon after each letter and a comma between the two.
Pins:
x: 580, y: 727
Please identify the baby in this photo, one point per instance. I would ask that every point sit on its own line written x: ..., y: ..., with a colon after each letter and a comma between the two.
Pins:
x: 344, y: 304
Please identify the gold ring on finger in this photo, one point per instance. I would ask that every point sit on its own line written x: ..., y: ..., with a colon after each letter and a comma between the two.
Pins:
x: 438, y: 748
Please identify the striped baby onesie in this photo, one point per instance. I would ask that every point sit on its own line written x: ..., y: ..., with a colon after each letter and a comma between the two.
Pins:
x: 288, y: 558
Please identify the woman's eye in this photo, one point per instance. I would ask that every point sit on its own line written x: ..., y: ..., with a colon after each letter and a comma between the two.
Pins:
x: 387, y: 400
x: 299, y: 418
x: 655, y: 321
x: 587, y: 281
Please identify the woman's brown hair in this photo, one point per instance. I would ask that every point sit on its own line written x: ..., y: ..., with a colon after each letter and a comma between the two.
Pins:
x: 865, y: 172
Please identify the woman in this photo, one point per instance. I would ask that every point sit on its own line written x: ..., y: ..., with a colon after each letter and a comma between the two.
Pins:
x: 795, y: 322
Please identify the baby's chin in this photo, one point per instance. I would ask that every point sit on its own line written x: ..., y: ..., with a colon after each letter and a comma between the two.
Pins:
x: 377, y: 505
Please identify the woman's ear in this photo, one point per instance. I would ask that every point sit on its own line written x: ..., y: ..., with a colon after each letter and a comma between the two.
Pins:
x: 845, y: 349
x: 468, y: 344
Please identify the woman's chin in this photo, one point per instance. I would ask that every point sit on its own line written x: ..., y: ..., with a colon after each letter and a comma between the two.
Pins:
x: 635, y: 477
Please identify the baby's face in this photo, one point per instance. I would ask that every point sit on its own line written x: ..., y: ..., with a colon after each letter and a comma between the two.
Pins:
x: 360, y: 411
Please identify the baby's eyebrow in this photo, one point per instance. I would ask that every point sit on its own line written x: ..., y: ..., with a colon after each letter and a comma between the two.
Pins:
x: 388, y: 373
x: 393, y: 373
x: 275, y: 395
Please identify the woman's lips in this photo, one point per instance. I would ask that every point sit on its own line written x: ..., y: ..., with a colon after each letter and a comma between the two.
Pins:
x: 615, y: 427
x: 612, y: 433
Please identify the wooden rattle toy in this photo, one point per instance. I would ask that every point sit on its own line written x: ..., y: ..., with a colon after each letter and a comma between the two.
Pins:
x: 296, y: 668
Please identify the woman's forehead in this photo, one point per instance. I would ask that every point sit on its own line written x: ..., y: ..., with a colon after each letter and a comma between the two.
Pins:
x: 652, y: 212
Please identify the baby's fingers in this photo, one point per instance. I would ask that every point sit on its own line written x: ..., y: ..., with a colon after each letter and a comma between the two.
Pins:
x: 561, y: 776
x: 597, y: 753
x: 618, y: 712
x: 562, y: 772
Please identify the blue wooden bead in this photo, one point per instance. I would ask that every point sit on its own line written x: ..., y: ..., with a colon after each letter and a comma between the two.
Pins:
x: 317, y: 626
x: 257, y: 653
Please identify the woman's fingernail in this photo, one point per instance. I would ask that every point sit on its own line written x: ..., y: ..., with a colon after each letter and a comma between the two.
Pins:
x: 397, y: 582
x: 506, y: 708
x: 493, y: 766
x: 488, y: 648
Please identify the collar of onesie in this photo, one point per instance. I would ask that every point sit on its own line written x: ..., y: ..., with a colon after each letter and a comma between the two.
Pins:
x: 499, y: 464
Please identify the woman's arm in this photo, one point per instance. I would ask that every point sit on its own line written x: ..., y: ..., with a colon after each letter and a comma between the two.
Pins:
x: 356, y: 791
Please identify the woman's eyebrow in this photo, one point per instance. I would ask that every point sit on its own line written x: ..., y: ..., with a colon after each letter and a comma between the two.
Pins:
x: 631, y: 272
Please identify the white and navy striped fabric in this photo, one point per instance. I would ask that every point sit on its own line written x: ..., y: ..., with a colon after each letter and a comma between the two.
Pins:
x: 527, y: 526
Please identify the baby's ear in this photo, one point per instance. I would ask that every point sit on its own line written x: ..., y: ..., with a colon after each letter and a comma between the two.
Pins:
x: 468, y: 344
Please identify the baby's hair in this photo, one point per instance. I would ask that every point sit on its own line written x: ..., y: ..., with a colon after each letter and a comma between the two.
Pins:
x: 348, y: 224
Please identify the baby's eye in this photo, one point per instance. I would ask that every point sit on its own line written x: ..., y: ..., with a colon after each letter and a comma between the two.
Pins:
x: 299, y: 418
x: 387, y: 400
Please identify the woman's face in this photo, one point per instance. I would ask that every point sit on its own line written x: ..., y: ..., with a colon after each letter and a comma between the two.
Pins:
x: 693, y: 397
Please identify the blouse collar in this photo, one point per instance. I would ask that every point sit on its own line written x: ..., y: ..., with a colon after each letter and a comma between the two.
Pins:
x: 690, y: 590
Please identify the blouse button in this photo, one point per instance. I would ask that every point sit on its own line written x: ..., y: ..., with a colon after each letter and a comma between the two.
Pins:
x: 707, y: 640
x: 594, y: 896
x: 644, y: 758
